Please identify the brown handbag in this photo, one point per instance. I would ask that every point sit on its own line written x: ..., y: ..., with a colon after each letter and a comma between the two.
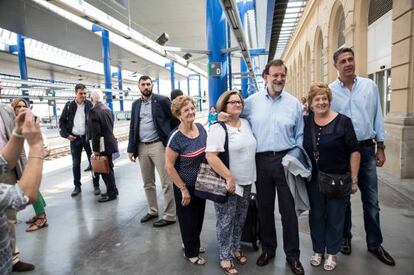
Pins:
x: 100, y: 164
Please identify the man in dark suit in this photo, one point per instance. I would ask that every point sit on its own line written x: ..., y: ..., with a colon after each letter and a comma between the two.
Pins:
x: 101, y: 124
x: 148, y: 133
x: 72, y: 123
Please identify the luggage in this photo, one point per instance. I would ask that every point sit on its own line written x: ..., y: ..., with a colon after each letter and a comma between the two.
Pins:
x: 250, y: 232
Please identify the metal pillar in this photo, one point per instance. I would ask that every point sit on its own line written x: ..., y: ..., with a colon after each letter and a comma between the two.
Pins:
x: 243, y: 66
x: 199, y: 93
x: 121, y: 94
x: 21, y: 52
x: 179, y: 84
x: 230, y: 75
x: 107, y: 63
x: 216, y: 41
x: 158, y: 85
x: 188, y: 85
x: 172, y: 79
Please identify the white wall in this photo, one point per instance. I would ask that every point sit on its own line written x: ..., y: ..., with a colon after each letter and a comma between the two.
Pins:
x: 380, y: 43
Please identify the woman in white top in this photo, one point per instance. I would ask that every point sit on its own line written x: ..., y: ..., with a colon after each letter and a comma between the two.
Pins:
x: 242, y: 173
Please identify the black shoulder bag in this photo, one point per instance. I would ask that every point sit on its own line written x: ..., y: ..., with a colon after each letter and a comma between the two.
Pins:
x: 331, y: 185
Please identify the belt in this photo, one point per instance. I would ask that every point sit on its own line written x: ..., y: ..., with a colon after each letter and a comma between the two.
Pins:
x: 367, y: 143
x: 272, y: 153
x: 79, y: 136
x: 151, y: 142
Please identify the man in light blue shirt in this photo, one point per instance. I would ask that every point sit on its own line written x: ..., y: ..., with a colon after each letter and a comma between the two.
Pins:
x: 277, y: 123
x: 358, y: 98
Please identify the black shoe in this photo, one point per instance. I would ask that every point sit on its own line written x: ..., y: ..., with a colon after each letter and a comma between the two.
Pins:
x: 89, y: 168
x: 22, y: 267
x: 382, y: 255
x: 96, y: 191
x: 264, y: 259
x: 76, y: 191
x: 162, y: 222
x: 148, y: 217
x: 296, y: 267
x: 106, y: 194
x: 106, y: 199
x: 346, y: 246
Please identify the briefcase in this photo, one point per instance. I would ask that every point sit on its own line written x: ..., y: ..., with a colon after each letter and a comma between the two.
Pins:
x: 100, y: 164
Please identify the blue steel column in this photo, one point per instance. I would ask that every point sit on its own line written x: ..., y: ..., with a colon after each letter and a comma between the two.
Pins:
x: 230, y: 75
x: 158, y: 85
x: 172, y: 79
x: 21, y: 52
x: 121, y: 94
x: 188, y: 85
x: 107, y: 68
x: 107, y: 63
x: 199, y: 92
x: 54, y: 100
x: 216, y: 41
x: 243, y: 67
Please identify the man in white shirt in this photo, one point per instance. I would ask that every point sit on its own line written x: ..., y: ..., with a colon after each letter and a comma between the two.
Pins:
x: 72, y: 125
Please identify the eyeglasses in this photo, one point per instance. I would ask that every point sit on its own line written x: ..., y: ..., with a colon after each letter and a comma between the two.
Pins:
x: 277, y: 75
x: 234, y: 102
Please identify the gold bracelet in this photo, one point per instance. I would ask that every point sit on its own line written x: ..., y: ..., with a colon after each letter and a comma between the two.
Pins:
x: 35, y: 157
x: 16, y: 134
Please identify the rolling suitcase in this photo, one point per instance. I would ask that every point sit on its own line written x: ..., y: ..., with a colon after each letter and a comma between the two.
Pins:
x: 250, y: 232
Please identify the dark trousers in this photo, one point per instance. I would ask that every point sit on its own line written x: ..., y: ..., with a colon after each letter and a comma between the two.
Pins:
x: 76, y: 147
x: 191, y: 219
x: 271, y: 176
x: 368, y: 186
x: 326, y: 220
x: 109, y: 179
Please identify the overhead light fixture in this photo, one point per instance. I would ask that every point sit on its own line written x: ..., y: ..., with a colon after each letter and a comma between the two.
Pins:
x: 187, y: 56
x: 162, y: 39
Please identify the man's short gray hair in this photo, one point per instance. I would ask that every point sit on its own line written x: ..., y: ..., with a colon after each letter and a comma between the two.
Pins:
x: 96, y: 95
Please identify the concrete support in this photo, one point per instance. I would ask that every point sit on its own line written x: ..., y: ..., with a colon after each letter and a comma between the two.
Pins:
x: 399, y: 123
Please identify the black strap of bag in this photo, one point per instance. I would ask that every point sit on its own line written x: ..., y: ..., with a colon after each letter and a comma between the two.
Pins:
x: 331, y: 185
x: 314, y: 142
x: 224, y: 156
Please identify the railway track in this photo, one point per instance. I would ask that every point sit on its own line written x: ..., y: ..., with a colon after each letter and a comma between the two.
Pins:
x: 60, y: 151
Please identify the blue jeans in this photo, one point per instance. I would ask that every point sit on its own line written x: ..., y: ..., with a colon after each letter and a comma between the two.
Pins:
x: 368, y: 186
x: 76, y: 147
x: 326, y: 220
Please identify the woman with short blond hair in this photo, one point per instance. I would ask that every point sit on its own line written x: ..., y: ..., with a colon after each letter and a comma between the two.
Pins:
x: 183, y: 155
x: 335, y: 140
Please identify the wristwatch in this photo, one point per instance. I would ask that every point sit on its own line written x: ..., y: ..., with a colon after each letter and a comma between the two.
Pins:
x: 381, y: 145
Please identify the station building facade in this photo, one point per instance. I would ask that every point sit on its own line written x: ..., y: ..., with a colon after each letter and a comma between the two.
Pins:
x: 381, y: 34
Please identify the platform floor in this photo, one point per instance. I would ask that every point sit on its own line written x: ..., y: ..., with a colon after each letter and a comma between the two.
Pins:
x: 86, y: 237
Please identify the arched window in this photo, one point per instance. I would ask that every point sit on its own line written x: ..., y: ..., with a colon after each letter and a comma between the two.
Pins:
x: 300, y: 76
x: 341, y: 28
x: 319, y: 62
x: 308, y: 69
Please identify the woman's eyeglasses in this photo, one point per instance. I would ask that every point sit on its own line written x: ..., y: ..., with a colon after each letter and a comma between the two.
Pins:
x: 234, y: 102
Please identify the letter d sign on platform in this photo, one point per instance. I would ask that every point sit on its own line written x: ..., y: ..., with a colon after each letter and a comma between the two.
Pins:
x: 214, y: 69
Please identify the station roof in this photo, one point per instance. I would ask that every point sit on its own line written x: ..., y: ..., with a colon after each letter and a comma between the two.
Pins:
x: 61, y: 24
